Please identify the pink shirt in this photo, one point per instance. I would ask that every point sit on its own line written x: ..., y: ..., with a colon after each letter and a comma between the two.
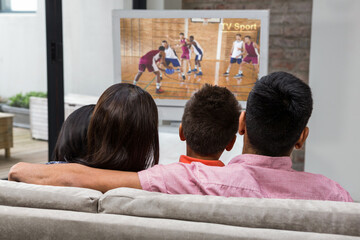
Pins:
x: 245, y: 176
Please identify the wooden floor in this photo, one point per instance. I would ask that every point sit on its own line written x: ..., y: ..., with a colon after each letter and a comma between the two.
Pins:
x: 175, y: 88
x: 25, y: 150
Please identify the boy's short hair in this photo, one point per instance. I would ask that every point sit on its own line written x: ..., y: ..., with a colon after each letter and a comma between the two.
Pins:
x: 164, y: 41
x: 210, y: 120
x: 162, y: 48
x: 248, y: 37
x: 277, y: 111
x: 238, y: 34
x: 181, y: 34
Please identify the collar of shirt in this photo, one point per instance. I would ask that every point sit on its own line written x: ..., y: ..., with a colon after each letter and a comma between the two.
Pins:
x: 186, y: 159
x: 283, y: 163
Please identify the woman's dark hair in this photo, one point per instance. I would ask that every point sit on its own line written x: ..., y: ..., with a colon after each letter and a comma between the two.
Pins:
x: 278, y: 109
x: 71, y: 145
x: 123, y: 131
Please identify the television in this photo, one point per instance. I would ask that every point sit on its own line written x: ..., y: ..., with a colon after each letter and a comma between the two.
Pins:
x: 220, y: 47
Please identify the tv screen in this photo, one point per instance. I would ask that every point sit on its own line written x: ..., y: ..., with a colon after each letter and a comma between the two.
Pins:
x: 189, y: 49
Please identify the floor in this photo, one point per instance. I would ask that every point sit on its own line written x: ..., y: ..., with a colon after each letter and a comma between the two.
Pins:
x: 25, y: 150
x: 176, y: 88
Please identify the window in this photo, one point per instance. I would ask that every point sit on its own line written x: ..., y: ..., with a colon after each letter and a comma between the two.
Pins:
x: 18, y: 6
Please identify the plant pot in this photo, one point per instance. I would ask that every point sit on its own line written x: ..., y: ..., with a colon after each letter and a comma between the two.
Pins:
x: 21, y: 115
x: 39, y: 118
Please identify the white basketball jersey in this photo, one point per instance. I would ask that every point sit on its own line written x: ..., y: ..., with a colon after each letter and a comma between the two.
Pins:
x: 169, y: 53
x: 197, y: 49
x: 236, y: 52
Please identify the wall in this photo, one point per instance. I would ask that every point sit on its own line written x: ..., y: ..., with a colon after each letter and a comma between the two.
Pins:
x: 88, y: 48
x: 140, y: 35
x: 88, y: 44
x: 332, y: 147
x: 22, y: 52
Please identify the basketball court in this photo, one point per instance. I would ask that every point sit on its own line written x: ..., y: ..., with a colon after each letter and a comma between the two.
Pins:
x: 216, y: 36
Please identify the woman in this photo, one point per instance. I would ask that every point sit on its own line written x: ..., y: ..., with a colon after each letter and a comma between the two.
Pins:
x: 122, y: 133
x: 71, y: 145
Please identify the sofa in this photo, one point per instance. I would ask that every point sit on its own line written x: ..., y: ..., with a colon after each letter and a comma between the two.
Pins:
x: 30, y: 211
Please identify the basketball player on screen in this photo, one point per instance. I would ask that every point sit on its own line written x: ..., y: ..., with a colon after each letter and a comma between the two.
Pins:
x: 171, y: 58
x: 236, y: 55
x: 252, y: 53
x: 199, y: 52
x: 185, y: 56
x: 183, y: 43
x: 149, y: 61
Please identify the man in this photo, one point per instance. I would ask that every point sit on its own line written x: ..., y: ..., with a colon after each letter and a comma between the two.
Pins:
x: 278, y: 110
x: 185, y: 56
x: 149, y: 61
x: 252, y: 53
x: 236, y: 55
x: 199, y: 52
x: 171, y: 58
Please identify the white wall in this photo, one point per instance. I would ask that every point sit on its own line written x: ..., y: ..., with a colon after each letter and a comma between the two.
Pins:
x: 88, y: 44
x: 333, y: 145
x: 88, y: 48
x: 22, y: 52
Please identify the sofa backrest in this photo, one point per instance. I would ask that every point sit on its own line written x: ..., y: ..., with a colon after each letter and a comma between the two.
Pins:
x: 296, y: 215
x: 285, y: 214
x: 31, y: 223
x: 48, y: 197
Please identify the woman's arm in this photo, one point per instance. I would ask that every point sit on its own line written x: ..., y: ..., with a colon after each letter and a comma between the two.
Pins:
x: 74, y: 175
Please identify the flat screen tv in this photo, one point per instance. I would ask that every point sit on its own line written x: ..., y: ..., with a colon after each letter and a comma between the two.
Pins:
x: 227, y: 48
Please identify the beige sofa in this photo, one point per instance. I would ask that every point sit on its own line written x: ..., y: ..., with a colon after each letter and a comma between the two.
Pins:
x: 45, y: 212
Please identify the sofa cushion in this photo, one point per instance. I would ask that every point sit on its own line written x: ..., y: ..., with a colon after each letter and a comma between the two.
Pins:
x: 298, y: 215
x: 31, y: 223
x: 50, y: 197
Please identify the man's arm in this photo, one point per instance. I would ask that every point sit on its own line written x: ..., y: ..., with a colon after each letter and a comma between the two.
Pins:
x: 257, y: 46
x: 74, y: 175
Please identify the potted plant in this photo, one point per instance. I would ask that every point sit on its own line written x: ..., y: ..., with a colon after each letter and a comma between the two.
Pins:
x: 19, y: 106
x: 39, y: 116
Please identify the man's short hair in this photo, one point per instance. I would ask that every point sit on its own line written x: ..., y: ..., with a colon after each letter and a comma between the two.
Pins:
x: 210, y: 120
x: 277, y: 111
x: 162, y: 48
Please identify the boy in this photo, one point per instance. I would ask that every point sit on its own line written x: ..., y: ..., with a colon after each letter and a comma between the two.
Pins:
x: 252, y: 53
x: 236, y: 55
x: 278, y: 109
x: 171, y: 57
x: 149, y: 61
x: 199, y: 52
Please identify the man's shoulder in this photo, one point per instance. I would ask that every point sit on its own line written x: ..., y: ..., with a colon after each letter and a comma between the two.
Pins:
x: 330, y: 189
